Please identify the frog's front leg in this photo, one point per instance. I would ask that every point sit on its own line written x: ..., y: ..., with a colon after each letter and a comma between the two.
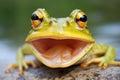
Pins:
x: 108, y: 55
x: 21, y: 62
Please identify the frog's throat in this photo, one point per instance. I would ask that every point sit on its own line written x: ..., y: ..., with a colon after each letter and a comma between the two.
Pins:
x: 56, y: 53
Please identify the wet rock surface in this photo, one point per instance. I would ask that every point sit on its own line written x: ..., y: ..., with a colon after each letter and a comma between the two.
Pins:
x: 71, y: 73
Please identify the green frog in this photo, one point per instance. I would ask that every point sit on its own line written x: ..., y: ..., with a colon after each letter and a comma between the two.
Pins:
x: 62, y: 42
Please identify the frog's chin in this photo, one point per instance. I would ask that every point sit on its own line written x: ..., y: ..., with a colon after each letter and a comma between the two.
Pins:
x: 56, y: 53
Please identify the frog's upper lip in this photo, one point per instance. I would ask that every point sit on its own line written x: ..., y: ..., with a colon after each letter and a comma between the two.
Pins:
x: 48, y: 48
x: 28, y: 39
x: 59, y: 36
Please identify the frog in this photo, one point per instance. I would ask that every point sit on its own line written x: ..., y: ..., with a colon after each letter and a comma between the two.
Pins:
x: 61, y: 43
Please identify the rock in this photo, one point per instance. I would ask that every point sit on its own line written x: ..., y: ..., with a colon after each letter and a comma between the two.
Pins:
x: 71, y: 73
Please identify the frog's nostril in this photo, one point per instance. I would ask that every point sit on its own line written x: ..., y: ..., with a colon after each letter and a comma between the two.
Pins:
x: 67, y: 22
x: 52, y: 22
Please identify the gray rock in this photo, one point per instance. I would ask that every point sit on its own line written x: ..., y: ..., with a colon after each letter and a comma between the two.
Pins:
x: 71, y: 73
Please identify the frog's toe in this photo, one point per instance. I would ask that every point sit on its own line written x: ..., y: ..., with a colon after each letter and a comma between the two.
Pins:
x: 116, y: 63
x: 94, y: 60
x: 25, y: 66
x: 10, y: 67
x: 20, y: 68
x: 83, y: 65
x: 34, y: 63
x: 21, y: 73
x: 103, y: 65
x: 13, y: 66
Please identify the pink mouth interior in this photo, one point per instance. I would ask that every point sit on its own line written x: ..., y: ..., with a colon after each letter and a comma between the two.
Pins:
x: 59, y: 50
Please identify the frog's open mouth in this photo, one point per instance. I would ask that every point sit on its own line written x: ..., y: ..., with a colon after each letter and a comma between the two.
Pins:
x: 59, y: 52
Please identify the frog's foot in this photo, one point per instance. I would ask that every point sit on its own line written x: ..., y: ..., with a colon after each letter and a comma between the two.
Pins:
x: 87, y: 63
x: 22, y: 65
x: 103, y: 62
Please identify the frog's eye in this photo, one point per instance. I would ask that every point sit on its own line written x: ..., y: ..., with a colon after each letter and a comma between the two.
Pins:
x: 36, y: 19
x: 81, y: 19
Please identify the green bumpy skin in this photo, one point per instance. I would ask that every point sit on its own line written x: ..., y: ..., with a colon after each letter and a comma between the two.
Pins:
x: 71, y: 28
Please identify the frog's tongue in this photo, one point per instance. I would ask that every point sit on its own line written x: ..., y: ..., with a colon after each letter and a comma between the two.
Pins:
x: 59, y: 52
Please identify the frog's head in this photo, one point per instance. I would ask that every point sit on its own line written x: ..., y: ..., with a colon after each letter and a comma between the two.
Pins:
x: 59, y: 42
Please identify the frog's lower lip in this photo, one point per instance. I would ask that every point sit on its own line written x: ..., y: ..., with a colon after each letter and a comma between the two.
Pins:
x: 59, y: 51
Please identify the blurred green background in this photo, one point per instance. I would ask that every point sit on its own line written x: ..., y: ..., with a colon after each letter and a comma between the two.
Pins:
x: 15, y: 14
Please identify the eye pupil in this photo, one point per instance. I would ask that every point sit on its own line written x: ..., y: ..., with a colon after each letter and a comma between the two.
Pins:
x: 83, y: 18
x: 34, y: 17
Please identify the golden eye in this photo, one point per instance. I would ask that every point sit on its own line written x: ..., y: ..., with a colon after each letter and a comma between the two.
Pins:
x: 36, y: 19
x: 81, y: 19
